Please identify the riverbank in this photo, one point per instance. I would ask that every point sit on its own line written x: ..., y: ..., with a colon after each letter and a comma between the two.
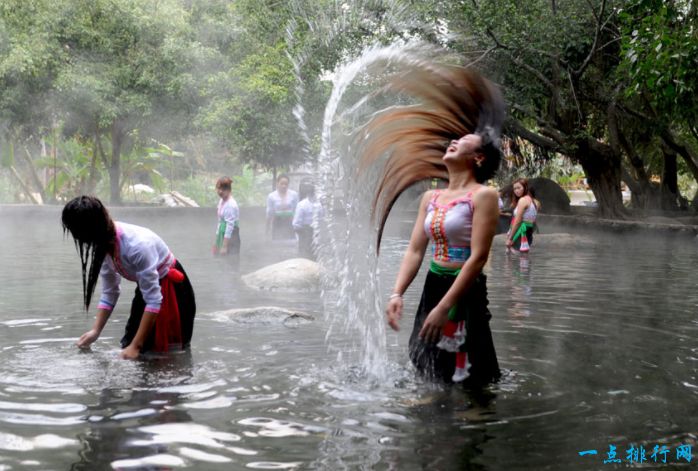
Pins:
x: 584, y: 219
x: 579, y: 219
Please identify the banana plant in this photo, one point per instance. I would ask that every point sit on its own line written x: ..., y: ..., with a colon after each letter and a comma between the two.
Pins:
x: 164, y: 153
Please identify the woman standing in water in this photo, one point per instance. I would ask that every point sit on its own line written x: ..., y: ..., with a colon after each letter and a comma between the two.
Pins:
x: 309, y: 213
x: 523, y: 222
x: 451, y: 338
x: 163, y: 309
x: 228, y: 228
x: 281, y: 204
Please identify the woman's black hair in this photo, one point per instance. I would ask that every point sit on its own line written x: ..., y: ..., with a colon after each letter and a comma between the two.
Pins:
x: 490, y: 148
x: 94, y: 234
x: 306, y: 189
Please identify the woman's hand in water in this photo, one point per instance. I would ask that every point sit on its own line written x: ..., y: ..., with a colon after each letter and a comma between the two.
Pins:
x: 434, y: 324
x: 394, y: 312
x: 87, y: 338
x: 130, y: 353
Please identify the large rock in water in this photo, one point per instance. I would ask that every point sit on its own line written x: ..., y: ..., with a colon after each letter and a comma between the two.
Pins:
x: 263, y: 315
x: 553, y: 199
x: 296, y: 274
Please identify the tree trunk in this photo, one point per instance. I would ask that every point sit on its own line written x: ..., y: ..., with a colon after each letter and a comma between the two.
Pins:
x: 38, y: 184
x: 117, y: 138
x: 25, y: 188
x: 602, y: 167
x: 670, y: 182
x: 91, y: 184
x: 683, y: 150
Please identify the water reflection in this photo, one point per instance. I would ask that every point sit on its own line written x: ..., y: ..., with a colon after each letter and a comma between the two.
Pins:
x: 117, y: 411
x: 606, y: 352
x: 519, y: 267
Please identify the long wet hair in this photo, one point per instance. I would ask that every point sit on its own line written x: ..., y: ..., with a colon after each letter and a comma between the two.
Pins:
x: 454, y: 101
x: 94, y: 234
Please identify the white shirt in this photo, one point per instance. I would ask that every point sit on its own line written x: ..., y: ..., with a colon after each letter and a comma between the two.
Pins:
x: 229, y: 212
x: 275, y: 203
x: 141, y: 256
x: 307, y: 211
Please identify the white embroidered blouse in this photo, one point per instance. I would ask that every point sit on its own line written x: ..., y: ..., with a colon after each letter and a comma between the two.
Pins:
x: 306, y: 212
x: 229, y: 213
x: 276, y: 204
x: 141, y: 256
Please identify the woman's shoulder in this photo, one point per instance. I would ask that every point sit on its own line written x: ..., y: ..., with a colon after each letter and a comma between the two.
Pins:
x: 486, y: 192
x: 525, y: 201
x: 486, y: 195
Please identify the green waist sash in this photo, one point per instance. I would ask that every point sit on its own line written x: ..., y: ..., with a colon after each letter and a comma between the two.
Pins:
x: 523, y: 228
x: 222, y: 225
x: 446, y: 271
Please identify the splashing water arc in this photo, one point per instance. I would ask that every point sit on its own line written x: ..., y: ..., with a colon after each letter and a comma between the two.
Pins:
x: 363, y: 90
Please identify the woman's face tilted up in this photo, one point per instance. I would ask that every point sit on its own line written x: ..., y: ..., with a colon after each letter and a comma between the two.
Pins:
x: 463, y: 148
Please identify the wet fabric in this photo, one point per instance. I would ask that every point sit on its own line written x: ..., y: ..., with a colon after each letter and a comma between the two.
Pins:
x: 438, y: 364
x: 233, y: 244
x: 185, y: 304
x: 140, y: 256
x: 526, y: 228
x: 449, y: 227
x: 228, y: 218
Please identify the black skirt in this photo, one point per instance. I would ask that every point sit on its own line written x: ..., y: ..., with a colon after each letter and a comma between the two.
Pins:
x: 306, y: 247
x: 438, y: 364
x: 282, y: 227
x: 187, y: 311
x: 234, y: 244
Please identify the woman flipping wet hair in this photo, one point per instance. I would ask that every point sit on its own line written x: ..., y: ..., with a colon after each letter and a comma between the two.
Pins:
x: 163, y: 309
x: 453, y: 134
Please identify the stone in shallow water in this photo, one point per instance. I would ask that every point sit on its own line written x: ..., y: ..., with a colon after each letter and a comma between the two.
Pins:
x: 296, y: 274
x: 264, y: 315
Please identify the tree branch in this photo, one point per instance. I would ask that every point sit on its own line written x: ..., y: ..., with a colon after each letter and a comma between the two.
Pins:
x: 535, y: 72
x: 681, y: 149
x: 484, y: 54
x: 597, y: 33
x: 516, y: 127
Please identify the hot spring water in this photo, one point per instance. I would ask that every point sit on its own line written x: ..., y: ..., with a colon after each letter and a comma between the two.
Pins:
x: 597, y: 342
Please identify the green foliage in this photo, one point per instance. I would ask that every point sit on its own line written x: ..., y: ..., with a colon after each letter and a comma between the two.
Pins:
x: 660, y: 55
x: 8, y: 154
x: 8, y: 188
x: 70, y: 169
x: 162, y: 154
x: 250, y: 189
x: 250, y: 108
x: 200, y: 188
x: 220, y: 81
